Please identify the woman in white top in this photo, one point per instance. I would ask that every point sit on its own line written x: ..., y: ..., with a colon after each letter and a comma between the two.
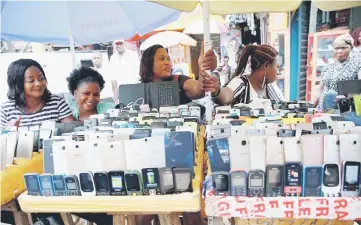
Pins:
x: 259, y: 83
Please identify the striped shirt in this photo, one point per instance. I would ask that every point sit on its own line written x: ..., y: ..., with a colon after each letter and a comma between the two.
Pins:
x: 244, y: 93
x: 56, y: 109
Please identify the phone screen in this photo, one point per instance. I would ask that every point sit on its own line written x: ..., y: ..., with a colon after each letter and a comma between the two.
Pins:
x: 86, y: 182
x: 331, y: 175
x: 313, y: 177
x: 293, y: 173
x: 132, y: 181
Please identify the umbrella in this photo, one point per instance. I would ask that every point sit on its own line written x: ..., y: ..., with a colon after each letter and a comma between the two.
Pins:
x: 80, y: 22
x: 197, y: 28
x: 167, y: 39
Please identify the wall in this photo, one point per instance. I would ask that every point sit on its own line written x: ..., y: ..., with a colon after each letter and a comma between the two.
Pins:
x: 355, y: 20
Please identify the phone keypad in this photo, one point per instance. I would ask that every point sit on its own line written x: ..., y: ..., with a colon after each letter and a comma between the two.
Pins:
x: 102, y: 193
x: 60, y: 193
x: 239, y: 192
x: 259, y: 192
x: 312, y: 192
x: 74, y: 193
x: 47, y: 193
x: 293, y: 191
x: 274, y: 192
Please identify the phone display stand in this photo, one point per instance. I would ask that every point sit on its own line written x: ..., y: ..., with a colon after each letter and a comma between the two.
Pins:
x: 125, y: 208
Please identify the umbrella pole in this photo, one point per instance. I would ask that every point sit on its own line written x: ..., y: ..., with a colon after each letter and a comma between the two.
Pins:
x: 72, y: 50
x: 207, y: 46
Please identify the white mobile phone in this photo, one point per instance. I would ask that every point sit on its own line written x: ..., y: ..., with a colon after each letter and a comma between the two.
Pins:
x: 86, y: 181
x: 331, y: 179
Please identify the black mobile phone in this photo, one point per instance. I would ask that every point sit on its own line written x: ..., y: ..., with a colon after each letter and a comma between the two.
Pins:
x: 238, y: 183
x: 220, y: 181
x: 151, y: 184
x: 274, y: 180
x: 293, y: 179
x: 72, y: 185
x: 117, y: 183
x: 256, y: 183
x: 101, y: 181
x: 182, y: 180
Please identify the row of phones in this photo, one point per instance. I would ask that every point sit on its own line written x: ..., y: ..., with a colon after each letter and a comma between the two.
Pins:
x: 291, y: 179
x: 151, y: 181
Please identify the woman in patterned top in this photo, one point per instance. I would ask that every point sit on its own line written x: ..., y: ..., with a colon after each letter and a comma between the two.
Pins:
x: 30, y: 102
x: 346, y: 67
x: 259, y: 83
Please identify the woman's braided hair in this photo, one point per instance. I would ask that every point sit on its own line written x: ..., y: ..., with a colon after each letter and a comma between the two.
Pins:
x: 259, y: 54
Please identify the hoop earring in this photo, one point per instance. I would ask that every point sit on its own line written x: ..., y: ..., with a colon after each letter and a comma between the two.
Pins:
x: 264, y: 79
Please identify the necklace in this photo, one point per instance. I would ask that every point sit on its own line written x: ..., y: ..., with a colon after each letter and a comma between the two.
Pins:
x: 36, y: 110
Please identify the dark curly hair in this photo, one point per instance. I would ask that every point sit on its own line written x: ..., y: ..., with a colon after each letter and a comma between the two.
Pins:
x: 16, y: 73
x: 84, y: 75
x: 146, y: 64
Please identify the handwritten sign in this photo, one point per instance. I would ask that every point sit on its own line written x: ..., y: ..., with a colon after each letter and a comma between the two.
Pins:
x: 342, y: 208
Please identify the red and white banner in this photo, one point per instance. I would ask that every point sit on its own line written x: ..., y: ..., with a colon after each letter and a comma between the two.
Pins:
x: 284, y: 207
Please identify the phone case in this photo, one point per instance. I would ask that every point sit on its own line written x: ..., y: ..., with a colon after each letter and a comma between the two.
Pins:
x: 341, y: 125
x: 263, y: 126
x: 274, y: 150
x: 312, y: 150
x: 193, y: 125
x: 331, y: 148
x: 113, y: 155
x: 239, y: 153
x: 238, y: 130
x: 356, y: 130
x: 340, y: 131
x: 25, y: 145
x: 257, y: 149
x: 292, y: 149
x: 350, y: 145
x: 255, y: 132
x: 11, y: 141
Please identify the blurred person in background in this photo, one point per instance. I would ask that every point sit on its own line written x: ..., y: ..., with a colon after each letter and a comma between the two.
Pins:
x: 123, y: 67
x: 347, y: 66
x: 225, y: 68
x: 107, y: 92
x: 356, y: 35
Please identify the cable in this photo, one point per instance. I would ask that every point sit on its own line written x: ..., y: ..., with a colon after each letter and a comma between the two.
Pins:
x: 132, y: 105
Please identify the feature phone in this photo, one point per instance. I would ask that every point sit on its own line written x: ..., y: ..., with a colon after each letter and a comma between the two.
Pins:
x: 133, y: 183
x: 331, y: 181
x: 312, y: 181
x: 32, y: 184
x: 166, y: 180
x: 101, y: 183
x: 293, y: 179
x: 46, y: 184
x: 151, y: 181
x: 182, y: 180
x: 72, y: 185
x: 87, y: 186
x: 220, y: 181
x: 350, y: 179
x: 274, y: 180
x: 238, y: 183
x: 256, y: 183
x: 117, y: 183
x: 59, y: 185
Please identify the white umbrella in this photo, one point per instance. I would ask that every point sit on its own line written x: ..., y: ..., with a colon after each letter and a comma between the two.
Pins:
x: 167, y: 39
x: 197, y: 27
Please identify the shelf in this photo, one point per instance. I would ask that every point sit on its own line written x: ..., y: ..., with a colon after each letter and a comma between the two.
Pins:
x: 341, y: 208
x: 184, y: 202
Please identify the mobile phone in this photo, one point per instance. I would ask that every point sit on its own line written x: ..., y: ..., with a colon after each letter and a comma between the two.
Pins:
x: 182, y: 180
x: 274, y: 180
x: 87, y: 186
x: 133, y: 183
x: 91, y: 122
x: 293, y: 179
x: 72, y: 185
x: 331, y: 181
x: 220, y: 181
x: 312, y: 181
x: 32, y: 183
x: 46, y: 185
x: 238, y: 183
x: 101, y: 183
x: 59, y: 185
x: 256, y: 183
x: 166, y: 180
x: 350, y: 179
x: 151, y: 181
x: 117, y: 183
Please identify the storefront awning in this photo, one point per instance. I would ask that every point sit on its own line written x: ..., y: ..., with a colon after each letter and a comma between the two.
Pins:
x: 217, y: 7
x: 325, y: 5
